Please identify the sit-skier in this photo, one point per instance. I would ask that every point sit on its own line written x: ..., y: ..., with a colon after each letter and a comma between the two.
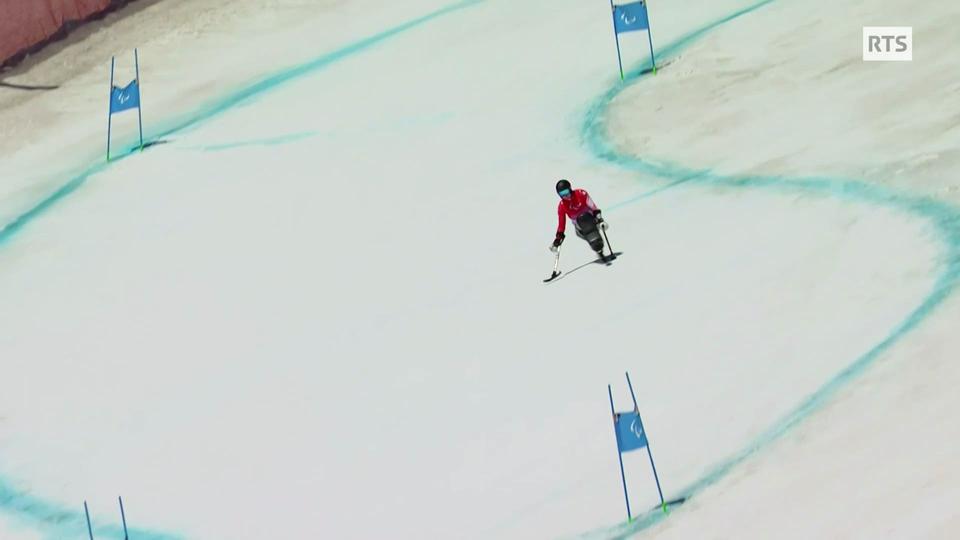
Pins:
x: 577, y: 205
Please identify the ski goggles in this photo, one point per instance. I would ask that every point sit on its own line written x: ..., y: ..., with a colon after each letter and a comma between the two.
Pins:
x: 564, y: 193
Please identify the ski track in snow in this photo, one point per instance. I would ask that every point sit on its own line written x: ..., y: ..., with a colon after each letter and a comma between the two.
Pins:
x: 56, y: 521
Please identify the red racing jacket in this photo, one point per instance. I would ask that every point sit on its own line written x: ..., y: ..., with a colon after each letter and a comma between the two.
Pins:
x: 577, y: 205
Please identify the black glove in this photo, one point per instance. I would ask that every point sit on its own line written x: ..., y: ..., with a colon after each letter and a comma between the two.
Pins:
x: 559, y: 239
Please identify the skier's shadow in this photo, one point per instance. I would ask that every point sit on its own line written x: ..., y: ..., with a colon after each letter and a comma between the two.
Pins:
x: 28, y: 87
x: 588, y: 263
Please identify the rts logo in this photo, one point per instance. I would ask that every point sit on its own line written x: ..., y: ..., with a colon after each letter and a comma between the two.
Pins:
x: 887, y: 43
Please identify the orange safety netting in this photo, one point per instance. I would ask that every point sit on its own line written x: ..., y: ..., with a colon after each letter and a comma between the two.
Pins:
x: 25, y: 23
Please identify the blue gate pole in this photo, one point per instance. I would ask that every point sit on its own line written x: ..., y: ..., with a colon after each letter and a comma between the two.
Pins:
x: 616, y: 37
x: 623, y: 476
x: 650, y: 40
x: 89, y: 526
x: 136, y: 63
x: 110, y: 107
x: 636, y: 409
x: 123, y: 517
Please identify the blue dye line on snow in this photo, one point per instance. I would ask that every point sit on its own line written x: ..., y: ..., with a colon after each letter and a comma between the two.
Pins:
x: 59, y: 522
x: 54, y: 520
x: 943, y: 217
x: 247, y: 94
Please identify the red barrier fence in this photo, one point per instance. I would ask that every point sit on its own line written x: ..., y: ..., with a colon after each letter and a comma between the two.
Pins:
x: 26, y: 23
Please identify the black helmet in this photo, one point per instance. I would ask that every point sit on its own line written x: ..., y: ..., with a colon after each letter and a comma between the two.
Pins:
x: 563, y: 185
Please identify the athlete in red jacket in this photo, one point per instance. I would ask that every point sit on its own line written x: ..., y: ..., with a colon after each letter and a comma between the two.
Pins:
x: 577, y: 205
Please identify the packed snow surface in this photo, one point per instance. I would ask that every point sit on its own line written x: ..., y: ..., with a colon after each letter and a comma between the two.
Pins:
x: 316, y: 310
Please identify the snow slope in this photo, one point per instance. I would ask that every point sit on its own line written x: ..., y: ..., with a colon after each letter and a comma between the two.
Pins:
x: 316, y: 313
x: 791, y: 107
